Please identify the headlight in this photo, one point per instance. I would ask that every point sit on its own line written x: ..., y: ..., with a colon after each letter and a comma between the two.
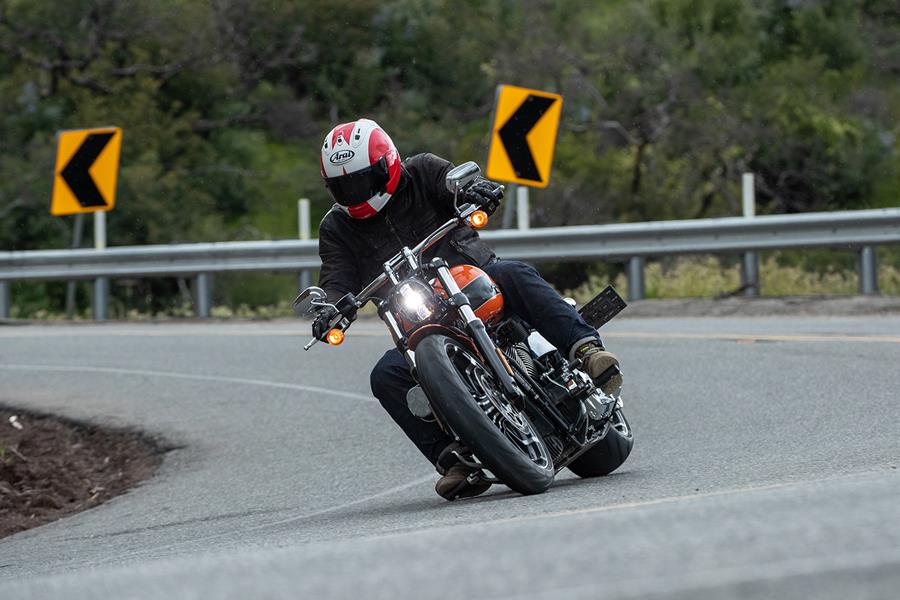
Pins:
x: 413, y: 300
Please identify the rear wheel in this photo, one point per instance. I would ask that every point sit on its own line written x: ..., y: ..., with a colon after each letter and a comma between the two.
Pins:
x: 463, y: 392
x: 608, y: 454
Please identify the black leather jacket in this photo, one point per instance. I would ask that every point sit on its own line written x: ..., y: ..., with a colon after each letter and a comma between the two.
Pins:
x: 354, y: 250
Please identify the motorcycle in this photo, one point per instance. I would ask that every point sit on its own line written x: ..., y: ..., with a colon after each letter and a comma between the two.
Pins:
x: 519, y: 411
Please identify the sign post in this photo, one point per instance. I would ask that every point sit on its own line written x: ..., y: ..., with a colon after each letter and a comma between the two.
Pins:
x: 77, y: 229
x: 523, y: 138
x: 84, y: 180
x: 101, y: 284
x: 303, y: 228
x: 523, y: 212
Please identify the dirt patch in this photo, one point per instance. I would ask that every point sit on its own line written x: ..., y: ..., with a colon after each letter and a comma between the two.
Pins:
x: 52, y: 467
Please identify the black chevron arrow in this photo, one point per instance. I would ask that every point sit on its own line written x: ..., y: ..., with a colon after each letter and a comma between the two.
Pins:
x: 516, y: 128
x: 75, y: 173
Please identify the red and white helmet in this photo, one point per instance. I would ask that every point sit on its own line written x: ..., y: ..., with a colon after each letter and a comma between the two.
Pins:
x: 361, y: 167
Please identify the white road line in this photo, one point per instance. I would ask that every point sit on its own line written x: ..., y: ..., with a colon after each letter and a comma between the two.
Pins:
x: 72, y: 332
x: 185, y: 331
x: 687, y: 497
x: 482, y: 524
x: 754, y: 337
x: 667, y: 500
x: 188, y: 376
x: 241, y: 381
x: 285, y: 521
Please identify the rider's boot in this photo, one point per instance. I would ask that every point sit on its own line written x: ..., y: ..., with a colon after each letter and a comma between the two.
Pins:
x: 601, y: 365
x: 455, y: 481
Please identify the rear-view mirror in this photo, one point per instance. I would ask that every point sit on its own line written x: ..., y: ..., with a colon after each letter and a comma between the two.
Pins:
x: 304, y: 303
x: 460, y: 176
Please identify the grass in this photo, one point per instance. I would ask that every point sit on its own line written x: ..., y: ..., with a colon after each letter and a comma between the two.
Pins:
x: 709, y: 277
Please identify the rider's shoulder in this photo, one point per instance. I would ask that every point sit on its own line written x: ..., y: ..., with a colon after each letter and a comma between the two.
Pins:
x: 331, y: 218
x: 426, y: 161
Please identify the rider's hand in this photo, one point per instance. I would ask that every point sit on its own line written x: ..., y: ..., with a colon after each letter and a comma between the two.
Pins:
x: 322, y: 323
x: 484, y: 194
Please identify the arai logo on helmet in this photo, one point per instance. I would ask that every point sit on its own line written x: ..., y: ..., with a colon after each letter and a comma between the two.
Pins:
x: 341, y: 156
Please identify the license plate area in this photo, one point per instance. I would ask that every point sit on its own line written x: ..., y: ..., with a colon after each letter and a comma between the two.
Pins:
x: 606, y: 305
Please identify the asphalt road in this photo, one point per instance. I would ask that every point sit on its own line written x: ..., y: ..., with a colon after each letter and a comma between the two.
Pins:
x: 765, y: 466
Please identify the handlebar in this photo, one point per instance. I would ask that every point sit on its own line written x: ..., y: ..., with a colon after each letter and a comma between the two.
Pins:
x: 367, y: 292
x: 464, y: 213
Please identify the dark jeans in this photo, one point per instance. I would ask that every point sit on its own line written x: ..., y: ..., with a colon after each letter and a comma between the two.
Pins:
x: 526, y: 294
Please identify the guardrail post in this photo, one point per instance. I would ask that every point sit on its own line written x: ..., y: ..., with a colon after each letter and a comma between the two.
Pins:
x: 203, y: 295
x: 750, y: 273
x: 5, y: 302
x: 100, y: 300
x: 635, y: 275
x: 868, y: 271
x: 749, y: 260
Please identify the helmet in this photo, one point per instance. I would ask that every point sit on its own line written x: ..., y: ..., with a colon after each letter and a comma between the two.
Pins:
x: 360, y: 166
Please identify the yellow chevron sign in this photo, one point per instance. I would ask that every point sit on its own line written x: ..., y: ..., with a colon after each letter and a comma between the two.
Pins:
x: 87, y: 166
x: 523, y: 135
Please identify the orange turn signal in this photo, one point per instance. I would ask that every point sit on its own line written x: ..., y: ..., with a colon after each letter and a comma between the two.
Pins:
x: 335, y: 337
x: 478, y: 219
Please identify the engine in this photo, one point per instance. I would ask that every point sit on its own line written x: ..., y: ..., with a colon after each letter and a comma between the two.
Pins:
x: 522, y: 356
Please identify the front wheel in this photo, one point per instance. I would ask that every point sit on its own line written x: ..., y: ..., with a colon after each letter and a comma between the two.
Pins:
x: 608, y: 454
x: 464, y: 393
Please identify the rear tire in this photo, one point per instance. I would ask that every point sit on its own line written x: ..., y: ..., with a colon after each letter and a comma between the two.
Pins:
x: 608, y: 454
x: 439, y: 360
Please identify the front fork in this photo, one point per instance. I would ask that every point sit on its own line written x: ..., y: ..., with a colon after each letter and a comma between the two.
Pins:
x: 476, y: 328
x: 498, y: 366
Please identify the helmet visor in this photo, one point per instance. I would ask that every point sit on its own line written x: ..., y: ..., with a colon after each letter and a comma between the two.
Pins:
x: 356, y: 188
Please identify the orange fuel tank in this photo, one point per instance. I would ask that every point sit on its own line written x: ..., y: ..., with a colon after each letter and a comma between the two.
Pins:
x: 482, y: 291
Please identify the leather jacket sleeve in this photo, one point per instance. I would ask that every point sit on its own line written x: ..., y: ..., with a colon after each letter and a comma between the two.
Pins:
x: 339, y: 274
x: 437, y: 168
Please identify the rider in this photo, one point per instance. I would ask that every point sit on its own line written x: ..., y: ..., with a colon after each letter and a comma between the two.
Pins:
x: 383, y: 203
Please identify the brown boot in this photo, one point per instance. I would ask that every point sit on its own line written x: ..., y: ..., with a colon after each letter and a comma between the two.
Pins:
x: 454, y: 484
x: 597, y: 362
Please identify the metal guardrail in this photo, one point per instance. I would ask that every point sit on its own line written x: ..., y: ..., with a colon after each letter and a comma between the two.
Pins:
x: 629, y: 242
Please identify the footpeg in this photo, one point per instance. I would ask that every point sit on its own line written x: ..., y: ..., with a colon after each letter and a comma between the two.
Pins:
x: 477, y: 476
x: 469, y: 463
x: 606, y: 375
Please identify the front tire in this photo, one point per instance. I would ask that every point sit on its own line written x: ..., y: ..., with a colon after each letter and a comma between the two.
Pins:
x: 608, y: 454
x: 463, y: 392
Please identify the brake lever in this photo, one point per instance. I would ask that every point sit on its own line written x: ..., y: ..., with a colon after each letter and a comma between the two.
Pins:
x: 311, y: 343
